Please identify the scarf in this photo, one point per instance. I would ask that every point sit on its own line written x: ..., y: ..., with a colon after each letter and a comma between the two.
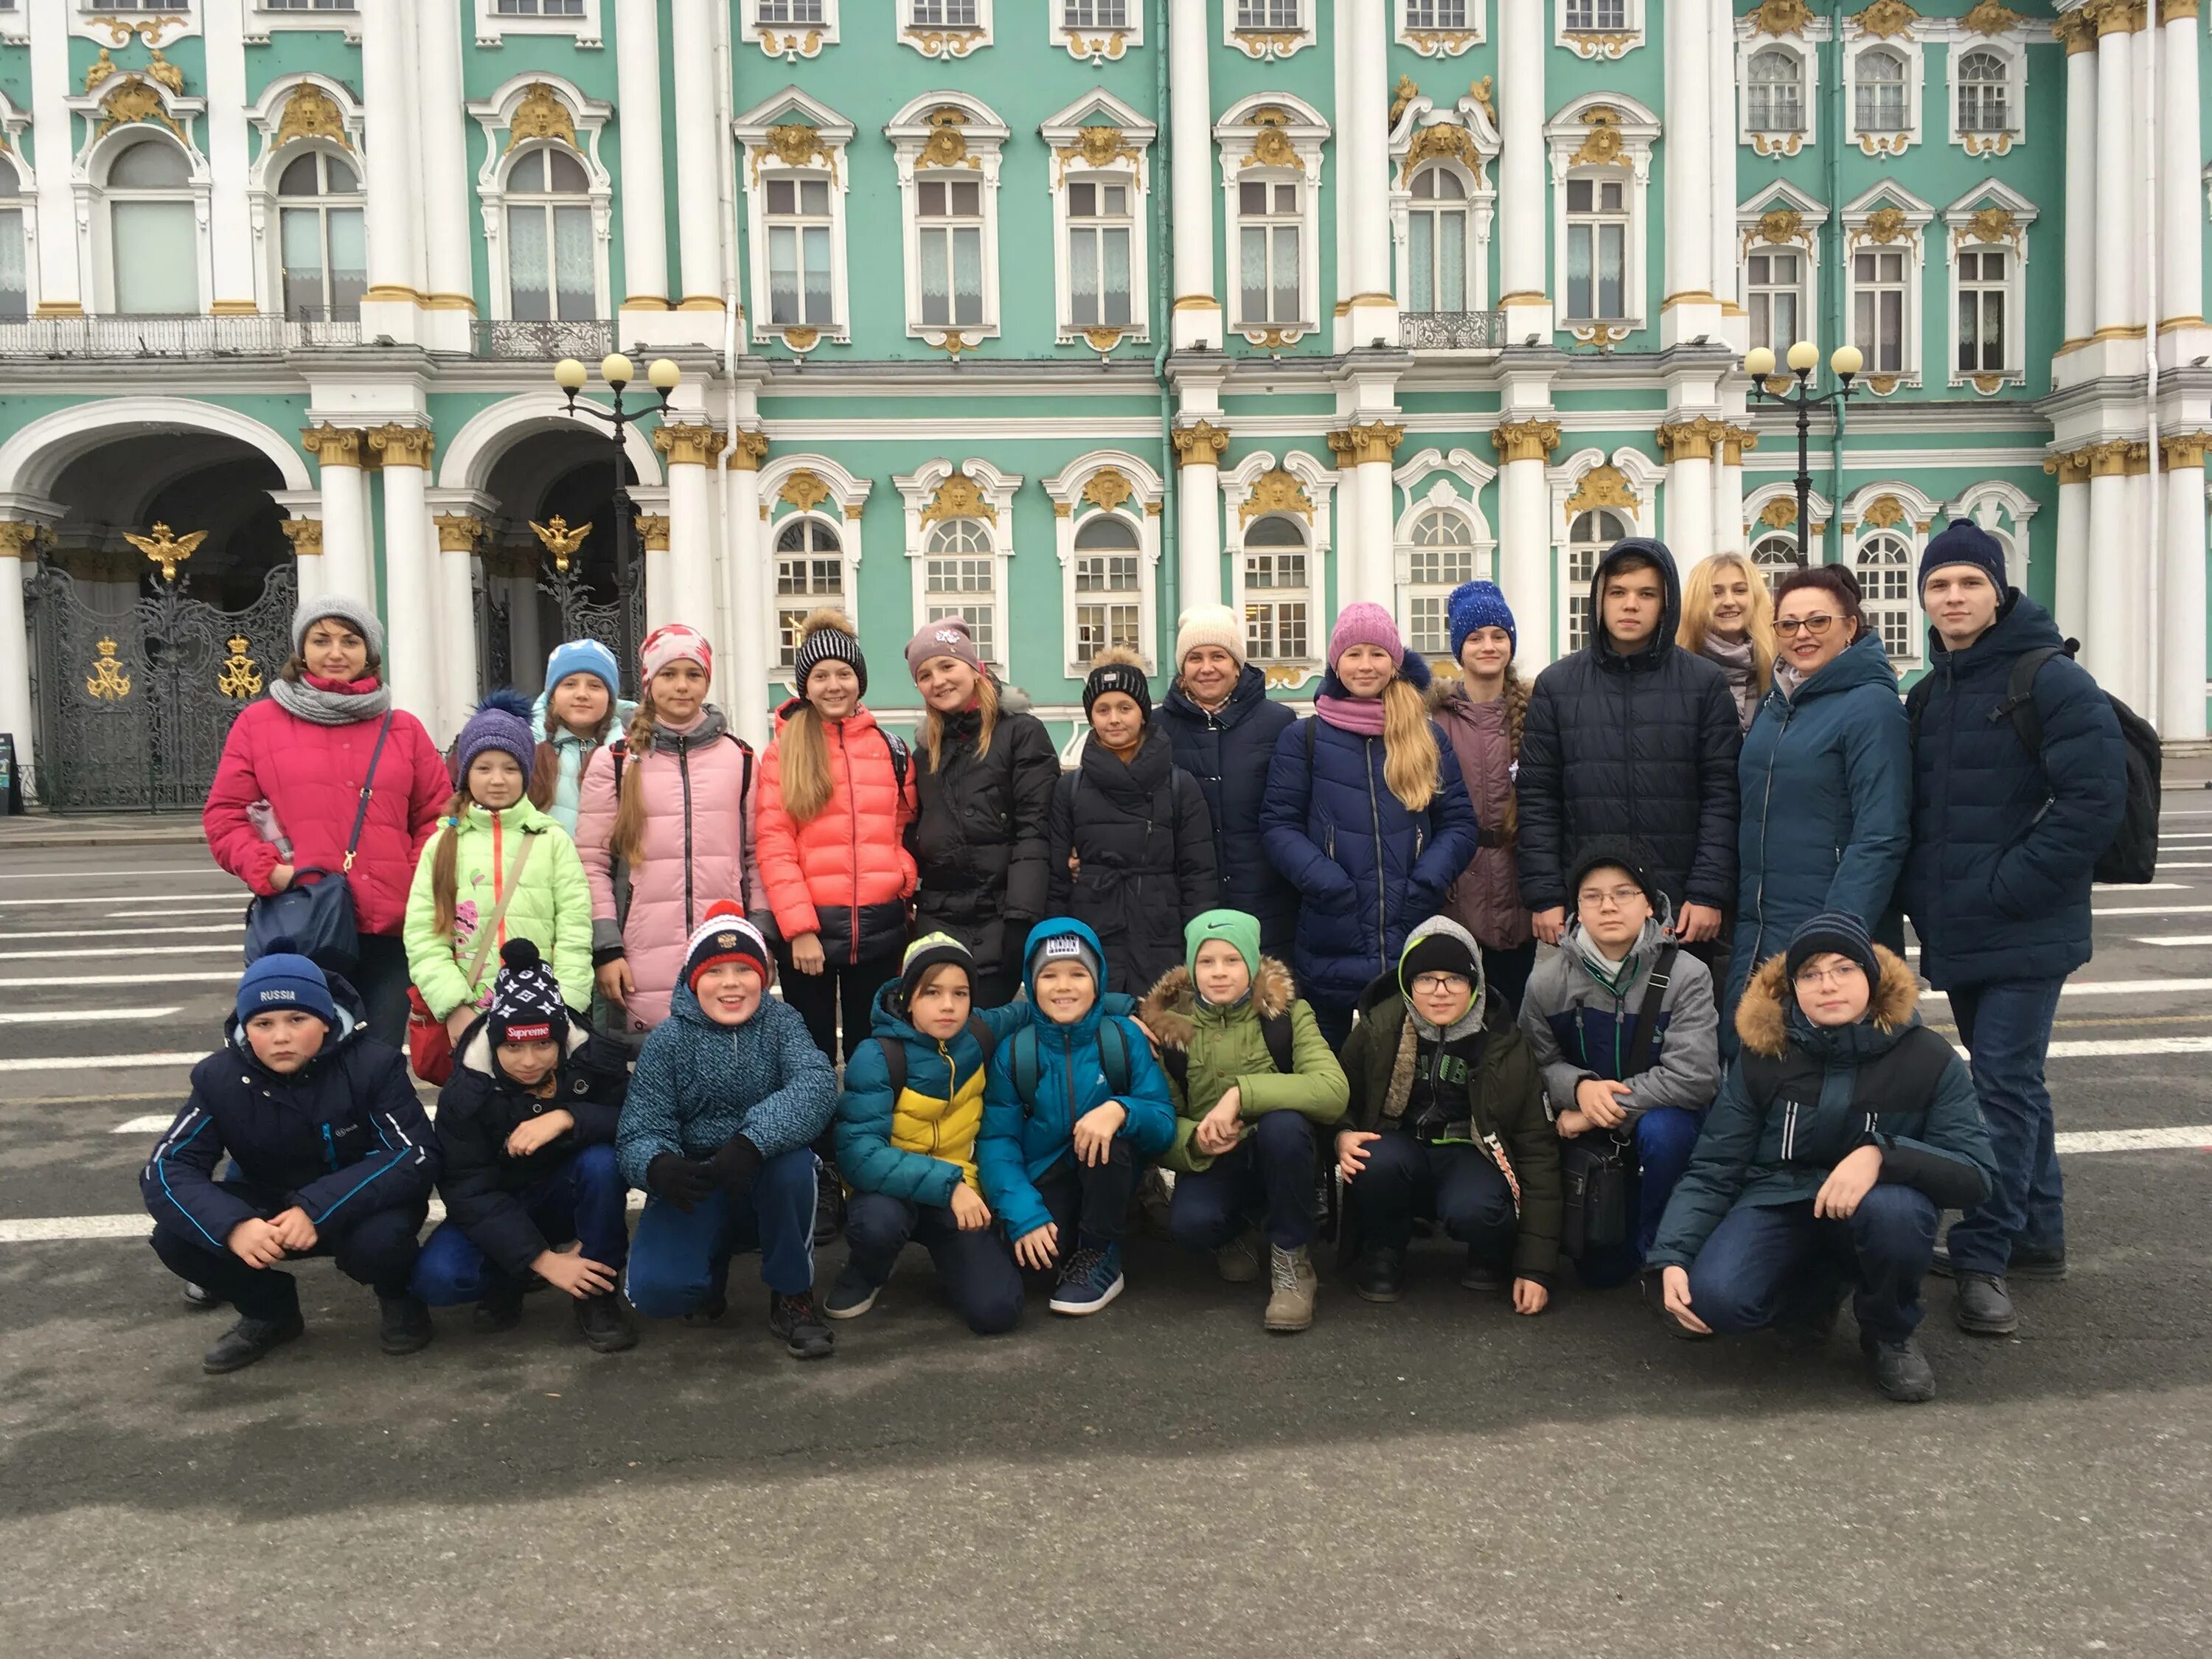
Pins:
x: 1734, y: 660
x: 702, y: 727
x: 333, y: 703
x: 1789, y: 678
x: 1616, y: 977
x: 1361, y: 716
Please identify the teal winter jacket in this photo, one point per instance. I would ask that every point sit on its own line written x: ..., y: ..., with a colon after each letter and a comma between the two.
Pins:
x: 571, y: 751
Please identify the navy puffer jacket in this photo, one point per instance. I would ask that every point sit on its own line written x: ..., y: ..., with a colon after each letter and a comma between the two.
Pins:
x: 2004, y: 842
x: 1366, y: 869
x: 1231, y: 752
x: 1642, y: 743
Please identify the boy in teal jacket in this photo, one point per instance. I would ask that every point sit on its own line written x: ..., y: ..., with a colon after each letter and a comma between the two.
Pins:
x: 1073, y: 1102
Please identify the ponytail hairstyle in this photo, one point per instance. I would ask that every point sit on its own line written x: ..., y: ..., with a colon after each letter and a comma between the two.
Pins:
x: 629, y: 839
x: 443, y: 876
x: 1759, y: 619
x: 986, y: 712
x: 1410, y: 764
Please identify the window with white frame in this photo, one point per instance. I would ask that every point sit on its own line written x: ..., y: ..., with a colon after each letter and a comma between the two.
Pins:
x: 798, y: 226
x: 810, y: 573
x: 1984, y: 290
x: 1878, y: 307
x: 1109, y: 594
x: 1774, y: 95
x: 1277, y: 590
x: 960, y: 578
x: 788, y: 11
x: 943, y: 14
x: 1774, y: 294
x: 1094, y: 13
x: 1436, y: 242
x: 549, y: 239
x: 322, y: 248
x: 1440, y: 557
x: 1882, y: 103
x: 1101, y: 231
x: 14, y: 263
x: 539, y: 8
x: 1270, y: 228
x: 1589, y: 538
x: 1774, y: 556
x: 137, y: 6
x: 308, y: 5
x: 1437, y: 14
x: 949, y: 222
x: 1984, y: 93
x: 153, y: 233
x: 1597, y: 247
x: 1885, y: 573
x: 1597, y: 16
x: 1270, y: 15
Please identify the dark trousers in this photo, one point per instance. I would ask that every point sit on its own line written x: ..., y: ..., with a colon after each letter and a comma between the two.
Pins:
x: 382, y: 979
x: 2006, y: 1028
x: 978, y: 1272
x: 1759, y: 1254
x: 1269, y: 1178
x: 1089, y: 1202
x: 1335, y: 1024
x: 1456, y: 1185
x: 842, y: 989
x: 996, y: 987
x: 1662, y: 1140
x: 1508, y: 972
x: 678, y: 1261
x: 376, y: 1248
x: 584, y: 1200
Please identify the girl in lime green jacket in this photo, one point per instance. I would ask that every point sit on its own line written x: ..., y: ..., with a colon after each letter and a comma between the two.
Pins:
x: 490, y: 839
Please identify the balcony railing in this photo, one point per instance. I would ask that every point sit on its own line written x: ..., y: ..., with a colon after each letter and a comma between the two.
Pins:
x: 185, y: 337
x: 1452, y: 330
x: 589, y: 340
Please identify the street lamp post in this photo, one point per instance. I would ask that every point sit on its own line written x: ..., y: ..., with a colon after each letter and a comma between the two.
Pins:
x: 1846, y: 361
x: 618, y: 370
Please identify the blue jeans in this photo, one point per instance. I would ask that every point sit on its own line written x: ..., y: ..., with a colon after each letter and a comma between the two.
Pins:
x: 583, y: 1199
x: 1455, y: 1183
x: 678, y: 1261
x: 1759, y: 1252
x: 1270, y: 1174
x: 2006, y: 1027
x: 977, y: 1269
x: 1661, y: 1138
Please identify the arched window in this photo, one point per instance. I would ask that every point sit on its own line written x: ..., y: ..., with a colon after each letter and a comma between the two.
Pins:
x: 1587, y: 539
x: 549, y: 239
x: 1276, y: 603
x: 15, y: 264
x: 1439, y: 558
x: 1775, y: 101
x: 1436, y: 242
x: 1882, y: 105
x: 325, y: 252
x: 959, y: 578
x: 152, y: 238
x: 1776, y: 556
x: 1885, y: 570
x: 1984, y: 93
x: 810, y: 573
x: 1108, y: 596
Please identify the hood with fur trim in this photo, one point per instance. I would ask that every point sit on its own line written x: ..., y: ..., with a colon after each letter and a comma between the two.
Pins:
x: 1170, y: 1008
x: 1762, y: 1017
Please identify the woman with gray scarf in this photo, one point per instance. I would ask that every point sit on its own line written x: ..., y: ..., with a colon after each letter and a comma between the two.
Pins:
x: 325, y: 734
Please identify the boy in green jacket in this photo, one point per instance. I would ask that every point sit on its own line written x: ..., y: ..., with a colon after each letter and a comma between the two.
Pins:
x: 1252, y: 1077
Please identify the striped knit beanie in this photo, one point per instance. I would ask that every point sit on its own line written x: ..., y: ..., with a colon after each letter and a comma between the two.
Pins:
x: 724, y: 936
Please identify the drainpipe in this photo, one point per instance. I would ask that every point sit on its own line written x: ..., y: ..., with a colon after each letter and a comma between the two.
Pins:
x: 736, y: 569
x: 1171, y: 577
x: 1838, y: 262
x: 2153, y: 40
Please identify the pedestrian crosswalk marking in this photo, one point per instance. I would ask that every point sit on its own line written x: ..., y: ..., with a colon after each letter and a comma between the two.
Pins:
x: 115, y: 898
x: 75, y: 1016
x: 2160, y: 910
x: 122, y: 950
x: 230, y: 909
x: 136, y: 1224
x: 200, y: 870
x: 42, y: 982
x: 184, y: 1058
x: 2111, y: 988
x: 121, y: 932
x: 2176, y: 940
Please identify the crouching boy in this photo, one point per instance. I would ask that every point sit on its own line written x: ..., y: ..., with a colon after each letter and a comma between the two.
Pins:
x: 719, y: 1129
x: 1845, y: 1127
x: 526, y: 1129
x: 330, y: 1155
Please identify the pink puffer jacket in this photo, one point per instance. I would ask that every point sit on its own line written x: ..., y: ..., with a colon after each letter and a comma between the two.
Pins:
x: 700, y: 790
x: 313, y: 775
x: 844, y: 875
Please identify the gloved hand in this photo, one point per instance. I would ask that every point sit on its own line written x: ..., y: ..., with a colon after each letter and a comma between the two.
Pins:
x: 735, y: 1165
x: 679, y: 1181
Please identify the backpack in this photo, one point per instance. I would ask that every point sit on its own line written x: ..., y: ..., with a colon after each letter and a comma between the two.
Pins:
x: 895, y: 1051
x: 2132, y: 858
x: 1274, y: 1027
x: 1112, y: 1060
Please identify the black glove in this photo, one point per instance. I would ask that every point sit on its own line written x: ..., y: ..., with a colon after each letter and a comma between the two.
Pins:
x: 734, y: 1167
x: 679, y: 1181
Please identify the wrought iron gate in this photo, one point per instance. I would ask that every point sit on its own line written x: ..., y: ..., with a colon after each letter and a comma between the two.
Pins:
x: 133, y: 706
x: 619, y: 626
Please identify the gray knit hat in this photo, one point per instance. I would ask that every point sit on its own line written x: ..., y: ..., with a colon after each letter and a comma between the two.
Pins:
x: 353, y: 613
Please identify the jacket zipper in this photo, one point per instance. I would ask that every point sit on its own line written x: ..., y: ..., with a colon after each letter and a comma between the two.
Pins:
x: 852, y: 828
x: 1382, y: 892
x: 684, y: 771
x: 497, y: 863
x: 1765, y: 802
x: 1067, y: 1071
x: 951, y: 1088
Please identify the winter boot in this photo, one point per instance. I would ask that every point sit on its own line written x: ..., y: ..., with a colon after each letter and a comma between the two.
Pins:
x: 1900, y: 1370
x: 1238, y: 1260
x: 1984, y: 1305
x: 1292, y: 1281
x: 605, y: 1323
x: 248, y: 1340
x: 405, y: 1324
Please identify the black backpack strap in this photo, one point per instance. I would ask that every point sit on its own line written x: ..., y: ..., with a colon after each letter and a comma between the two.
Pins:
x: 1281, y: 1040
x: 1308, y: 722
x: 2018, y: 704
x: 617, y: 755
x: 1643, y: 1045
x: 986, y: 1039
x: 894, y: 1065
x: 1915, y: 704
x: 1176, y: 1062
x: 900, y: 759
x: 745, y: 780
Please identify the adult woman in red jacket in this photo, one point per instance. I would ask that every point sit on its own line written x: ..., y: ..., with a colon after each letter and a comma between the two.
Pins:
x: 306, y: 750
x: 836, y: 796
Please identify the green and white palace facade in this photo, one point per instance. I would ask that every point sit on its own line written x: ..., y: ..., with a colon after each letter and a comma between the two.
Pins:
x: 1064, y: 314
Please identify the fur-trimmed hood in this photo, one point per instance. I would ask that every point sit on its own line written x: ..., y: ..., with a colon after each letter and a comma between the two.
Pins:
x: 1170, y: 1007
x: 1762, y: 1017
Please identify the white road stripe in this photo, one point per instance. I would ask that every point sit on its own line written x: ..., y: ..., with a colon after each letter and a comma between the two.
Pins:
x: 2111, y: 987
x: 230, y: 909
x: 119, y: 979
x: 72, y: 1229
x: 238, y: 928
x: 123, y: 951
x: 72, y: 1015
x: 2119, y: 1047
x: 144, y: 1126
x: 115, y: 898
x: 2177, y: 941
x: 79, y: 875
x: 186, y: 1059
x: 2197, y: 1136
x: 2183, y: 865
x: 2160, y: 910
x: 2139, y: 886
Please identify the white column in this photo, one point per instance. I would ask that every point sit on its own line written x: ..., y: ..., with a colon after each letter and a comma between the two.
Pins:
x: 2119, y: 281
x: 748, y: 578
x: 2113, y: 610
x: 644, y: 194
x: 230, y: 225
x: 1377, y: 569
x: 458, y: 675
x: 2181, y: 194
x: 1198, y: 513
x: 693, y: 452
x: 2081, y: 139
x: 304, y: 529
x: 1727, y: 490
x: 389, y: 95
x: 698, y: 201
x: 448, y: 197
x: 52, y: 131
x: 1524, y: 208
x: 2071, y: 588
x: 17, y: 547
x: 347, y: 567
x: 2181, y: 638
x: 1721, y: 214
x: 410, y: 578
x: 1688, y: 446
x: 1198, y: 315
x: 1363, y: 178
x: 1688, y: 308
x: 1524, y: 539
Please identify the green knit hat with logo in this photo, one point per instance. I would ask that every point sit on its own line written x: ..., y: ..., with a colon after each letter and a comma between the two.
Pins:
x: 1234, y: 926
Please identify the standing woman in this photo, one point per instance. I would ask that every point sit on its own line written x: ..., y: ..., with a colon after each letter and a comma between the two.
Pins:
x: 580, y: 709
x: 1223, y: 729
x: 1481, y: 713
x: 1728, y: 620
x: 1132, y: 848
x: 1365, y: 815
x: 307, y: 751
x: 1826, y: 776
x: 983, y: 805
x: 664, y: 827
x: 836, y: 796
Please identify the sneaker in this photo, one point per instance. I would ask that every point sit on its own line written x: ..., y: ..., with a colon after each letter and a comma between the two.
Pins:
x: 793, y: 1318
x: 405, y: 1327
x: 1984, y: 1306
x: 1379, y: 1275
x: 248, y: 1340
x: 605, y: 1324
x: 500, y: 1312
x: 1900, y: 1370
x: 1483, y: 1273
x: 853, y: 1295
x: 828, y: 1203
x: 1290, y: 1275
x: 1091, y: 1278
x: 1238, y: 1260
x: 2027, y: 1263
x: 200, y: 1298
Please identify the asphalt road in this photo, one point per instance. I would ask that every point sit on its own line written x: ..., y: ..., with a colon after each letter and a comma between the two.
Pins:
x: 1435, y: 1477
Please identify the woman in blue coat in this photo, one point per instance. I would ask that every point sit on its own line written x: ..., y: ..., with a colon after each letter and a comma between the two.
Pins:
x: 1365, y: 815
x: 1825, y: 777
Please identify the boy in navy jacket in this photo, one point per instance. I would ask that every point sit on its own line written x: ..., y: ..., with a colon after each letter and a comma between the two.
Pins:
x: 330, y: 1155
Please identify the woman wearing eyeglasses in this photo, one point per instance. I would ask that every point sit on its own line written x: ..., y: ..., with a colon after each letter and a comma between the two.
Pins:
x: 1825, y: 775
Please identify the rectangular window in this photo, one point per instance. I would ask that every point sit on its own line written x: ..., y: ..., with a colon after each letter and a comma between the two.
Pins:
x: 951, y: 212
x: 1775, y: 300
x: 1107, y: 600
x: 962, y: 587
x: 944, y: 14
x: 1268, y: 15
x: 1098, y: 233
x: 1591, y: 17
x: 798, y: 252
x: 1878, y: 309
x: 1597, y: 249
x: 540, y: 8
x: 802, y: 584
x: 789, y: 11
x: 1436, y: 13
x: 1094, y: 13
x: 15, y: 286
x: 1268, y: 233
x: 1274, y: 619
x: 1981, y: 313
x: 284, y: 5
x: 157, y: 258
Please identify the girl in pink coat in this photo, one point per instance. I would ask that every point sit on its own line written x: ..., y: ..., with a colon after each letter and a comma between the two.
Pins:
x: 664, y: 827
x: 306, y: 750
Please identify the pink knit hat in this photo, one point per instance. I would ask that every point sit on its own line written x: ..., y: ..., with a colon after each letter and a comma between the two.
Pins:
x: 675, y: 642
x: 948, y: 636
x: 1363, y: 623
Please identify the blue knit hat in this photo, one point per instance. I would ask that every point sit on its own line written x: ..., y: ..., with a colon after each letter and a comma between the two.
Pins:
x: 1477, y: 605
x: 1963, y: 542
x: 502, y: 722
x: 284, y: 979
x: 583, y: 657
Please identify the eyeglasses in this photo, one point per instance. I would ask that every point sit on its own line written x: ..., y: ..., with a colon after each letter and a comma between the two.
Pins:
x: 1435, y: 985
x: 1837, y: 975
x: 1618, y: 897
x: 1815, y: 626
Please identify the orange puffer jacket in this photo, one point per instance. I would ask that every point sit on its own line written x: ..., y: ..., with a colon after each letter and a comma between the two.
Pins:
x: 846, y: 873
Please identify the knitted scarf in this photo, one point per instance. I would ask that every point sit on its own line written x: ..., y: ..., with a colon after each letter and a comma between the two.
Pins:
x: 333, y: 703
x: 1362, y: 716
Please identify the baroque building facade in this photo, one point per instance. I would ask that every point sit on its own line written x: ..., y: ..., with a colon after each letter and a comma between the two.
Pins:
x: 1064, y: 315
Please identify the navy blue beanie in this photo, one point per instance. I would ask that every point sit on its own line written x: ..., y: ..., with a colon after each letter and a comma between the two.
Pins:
x: 1477, y: 605
x: 1837, y: 931
x: 282, y: 979
x: 1963, y: 542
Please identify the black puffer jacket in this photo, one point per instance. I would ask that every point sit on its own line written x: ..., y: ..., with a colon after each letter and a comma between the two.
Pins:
x: 1229, y: 752
x: 1644, y: 744
x: 1143, y: 844
x: 980, y: 832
